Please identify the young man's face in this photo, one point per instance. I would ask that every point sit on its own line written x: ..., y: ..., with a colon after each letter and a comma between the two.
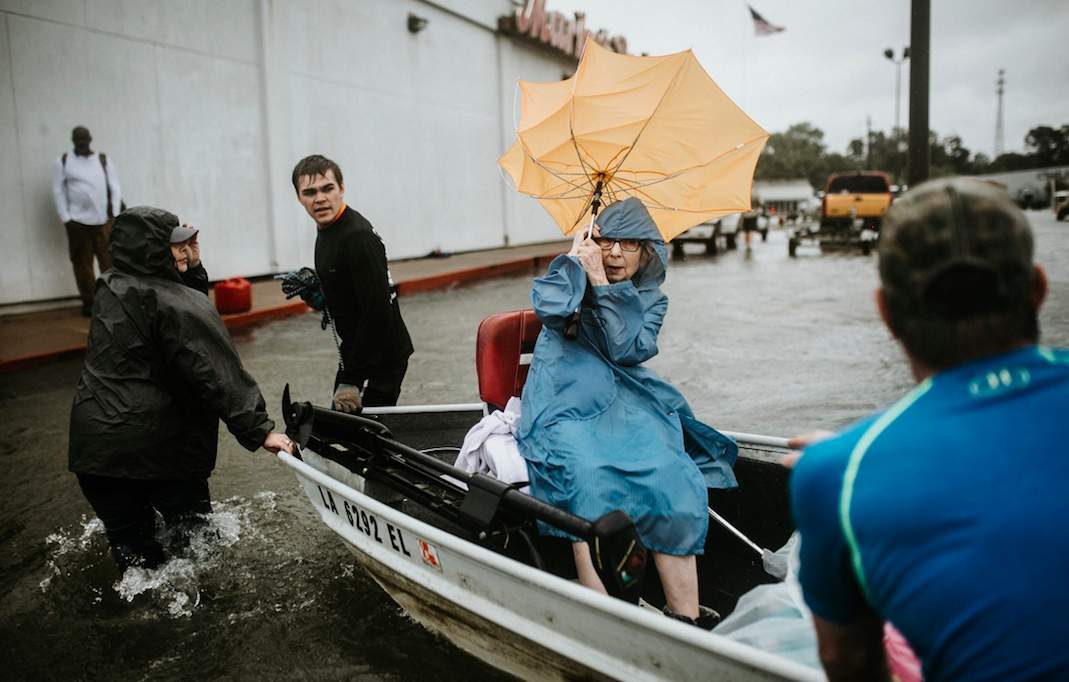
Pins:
x: 321, y: 196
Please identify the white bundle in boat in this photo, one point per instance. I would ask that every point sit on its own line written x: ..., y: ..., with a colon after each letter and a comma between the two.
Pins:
x: 490, y: 447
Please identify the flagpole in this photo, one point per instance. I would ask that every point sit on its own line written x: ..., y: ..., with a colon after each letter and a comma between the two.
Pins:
x: 745, y: 61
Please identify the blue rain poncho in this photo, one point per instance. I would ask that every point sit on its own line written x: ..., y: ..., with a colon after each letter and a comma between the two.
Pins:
x: 598, y: 430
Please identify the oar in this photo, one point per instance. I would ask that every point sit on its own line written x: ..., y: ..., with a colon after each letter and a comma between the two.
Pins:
x: 774, y: 564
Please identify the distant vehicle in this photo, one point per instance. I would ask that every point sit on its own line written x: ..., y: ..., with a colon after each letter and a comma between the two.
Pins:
x: 1060, y: 203
x: 728, y: 228
x: 810, y: 208
x: 1027, y: 198
x: 709, y: 233
x: 852, y: 207
x: 860, y: 195
x: 851, y: 212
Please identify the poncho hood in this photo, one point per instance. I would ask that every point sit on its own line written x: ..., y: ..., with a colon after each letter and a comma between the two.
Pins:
x: 629, y: 219
x: 140, y: 242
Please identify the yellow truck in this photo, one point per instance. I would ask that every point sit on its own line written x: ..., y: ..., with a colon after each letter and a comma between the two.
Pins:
x: 851, y: 212
x: 850, y: 197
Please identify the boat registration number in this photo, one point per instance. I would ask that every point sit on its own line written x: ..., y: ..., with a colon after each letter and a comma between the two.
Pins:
x: 386, y: 534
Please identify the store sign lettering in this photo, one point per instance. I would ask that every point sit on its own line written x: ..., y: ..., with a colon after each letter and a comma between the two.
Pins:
x: 557, y: 31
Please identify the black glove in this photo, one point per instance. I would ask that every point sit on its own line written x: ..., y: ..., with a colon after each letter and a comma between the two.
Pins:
x: 304, y: 283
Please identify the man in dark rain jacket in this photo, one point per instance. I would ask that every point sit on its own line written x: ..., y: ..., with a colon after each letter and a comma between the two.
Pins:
x: 361, y: 298
x: 159, y: 374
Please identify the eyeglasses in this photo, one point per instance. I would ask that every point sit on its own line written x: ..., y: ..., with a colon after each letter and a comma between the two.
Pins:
x: 630, y: 245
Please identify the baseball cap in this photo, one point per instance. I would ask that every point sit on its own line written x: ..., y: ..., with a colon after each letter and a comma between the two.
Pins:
x: 955, y: 247
x: 182, y: 233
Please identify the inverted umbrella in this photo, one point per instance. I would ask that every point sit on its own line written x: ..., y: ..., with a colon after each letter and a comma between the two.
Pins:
x: 656, y: 128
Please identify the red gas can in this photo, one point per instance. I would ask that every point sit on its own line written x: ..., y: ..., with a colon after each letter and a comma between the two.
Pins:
x: 233, y: 296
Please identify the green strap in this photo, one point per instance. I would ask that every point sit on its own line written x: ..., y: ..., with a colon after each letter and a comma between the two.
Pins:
x: 1048, y: 355
x: 852, y: 466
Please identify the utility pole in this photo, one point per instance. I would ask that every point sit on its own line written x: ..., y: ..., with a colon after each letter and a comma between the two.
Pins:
x: 868, y: 142
x: 920, y: 30
x: 999, y: 88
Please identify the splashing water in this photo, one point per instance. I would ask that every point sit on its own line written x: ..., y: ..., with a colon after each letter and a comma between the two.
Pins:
x: 172, y: 589
x: 65, y: 542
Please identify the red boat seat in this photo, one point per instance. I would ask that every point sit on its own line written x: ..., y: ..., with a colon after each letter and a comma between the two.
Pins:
x: 503, y: 348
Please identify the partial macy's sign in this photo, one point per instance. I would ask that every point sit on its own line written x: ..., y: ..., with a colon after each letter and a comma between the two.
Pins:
x: 556, y: 31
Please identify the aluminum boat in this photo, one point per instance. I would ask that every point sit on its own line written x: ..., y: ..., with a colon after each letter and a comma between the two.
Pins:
x: 462, y: 555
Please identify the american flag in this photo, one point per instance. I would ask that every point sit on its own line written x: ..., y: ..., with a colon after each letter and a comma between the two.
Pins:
x: 761, y: 26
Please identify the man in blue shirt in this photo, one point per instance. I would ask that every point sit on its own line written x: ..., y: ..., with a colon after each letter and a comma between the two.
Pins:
x: 945, y: 515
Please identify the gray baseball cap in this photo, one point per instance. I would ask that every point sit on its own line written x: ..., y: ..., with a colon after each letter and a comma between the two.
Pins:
x: 183, y: 233
x: 955, y: 247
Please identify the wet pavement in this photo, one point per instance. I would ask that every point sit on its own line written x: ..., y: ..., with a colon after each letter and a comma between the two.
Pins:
x: 758, y: 342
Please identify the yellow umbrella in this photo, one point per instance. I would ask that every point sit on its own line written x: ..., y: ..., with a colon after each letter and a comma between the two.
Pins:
x: 657, y: 128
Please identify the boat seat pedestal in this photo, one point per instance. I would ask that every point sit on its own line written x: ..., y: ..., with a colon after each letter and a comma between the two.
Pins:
x: 483, y: 498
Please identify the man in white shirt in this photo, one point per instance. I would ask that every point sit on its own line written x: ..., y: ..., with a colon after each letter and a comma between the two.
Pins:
x: 86, y: 190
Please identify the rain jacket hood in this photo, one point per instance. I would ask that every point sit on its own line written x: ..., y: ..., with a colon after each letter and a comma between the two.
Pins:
x: 629, y: 219
x: 140, y: 242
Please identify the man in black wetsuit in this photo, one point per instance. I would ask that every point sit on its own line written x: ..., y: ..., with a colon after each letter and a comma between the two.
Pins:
x: 361, y: 299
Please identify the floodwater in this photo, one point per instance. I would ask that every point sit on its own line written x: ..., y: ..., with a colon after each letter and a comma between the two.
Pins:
x: 758, y: 342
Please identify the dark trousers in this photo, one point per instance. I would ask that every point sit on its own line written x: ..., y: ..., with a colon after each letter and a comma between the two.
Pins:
x: 83, y: 242
x: 381, y: 390
x: 128, y: 507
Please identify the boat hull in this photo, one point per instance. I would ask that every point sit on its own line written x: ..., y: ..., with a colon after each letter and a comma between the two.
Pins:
x: 521, y: 620
x: 480, y: 637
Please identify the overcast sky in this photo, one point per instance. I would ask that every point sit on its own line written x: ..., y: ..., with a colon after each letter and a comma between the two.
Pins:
x: 828, y: 67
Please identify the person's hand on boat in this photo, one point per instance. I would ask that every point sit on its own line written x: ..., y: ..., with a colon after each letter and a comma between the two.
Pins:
x: 278, y: 441
x: 347, y: 399
x: 590, y: 257
x: 799, y: 443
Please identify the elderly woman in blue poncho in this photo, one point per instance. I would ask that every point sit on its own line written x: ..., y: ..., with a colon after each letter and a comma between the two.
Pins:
x: 601, y: 432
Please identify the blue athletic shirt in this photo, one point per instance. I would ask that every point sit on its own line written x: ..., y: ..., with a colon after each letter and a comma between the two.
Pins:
x: 949, y: 514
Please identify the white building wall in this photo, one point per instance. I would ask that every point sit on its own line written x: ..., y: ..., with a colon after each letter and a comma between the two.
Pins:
x: 1034, y: 182
x: 204, y: 106
x: 15, y: 275
x: 528, y: 222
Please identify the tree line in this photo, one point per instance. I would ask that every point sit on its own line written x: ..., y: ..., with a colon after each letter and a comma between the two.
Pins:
x: 800, y: 152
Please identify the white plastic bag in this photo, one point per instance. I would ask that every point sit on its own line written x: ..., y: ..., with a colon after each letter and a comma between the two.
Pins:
x: 774, y: 618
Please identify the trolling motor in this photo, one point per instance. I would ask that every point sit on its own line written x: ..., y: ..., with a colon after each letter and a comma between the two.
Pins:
x: 619, y: 556
x: 571, y: 325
